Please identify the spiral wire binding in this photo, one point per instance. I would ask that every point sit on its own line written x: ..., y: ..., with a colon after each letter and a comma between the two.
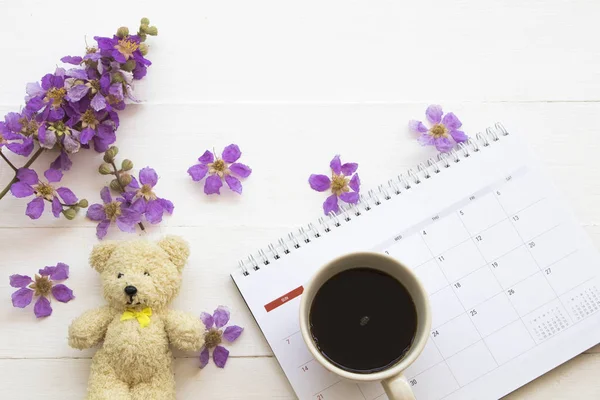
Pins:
x: 394, y: 187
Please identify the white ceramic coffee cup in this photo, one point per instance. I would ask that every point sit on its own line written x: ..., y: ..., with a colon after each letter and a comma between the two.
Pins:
x: 392, y: 378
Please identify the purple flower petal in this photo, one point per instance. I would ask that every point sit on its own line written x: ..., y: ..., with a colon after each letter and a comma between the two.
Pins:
x: 459, y: 136
x: 434, y: 113
x: 98, y: 102
x: 234, y: 183
x: 75, y: 60
x: 232, y: 332
x: 204, y: 357
x: 116, y: 89
x: 105, y: 195
x: 349, y: 168
x: 231, y: 154
x: 197, y: 172
x: 331, y: 204
x: 53, y: 175
x: 42, y: 307
x: 86, y: 135
x: 23, y: 149
x: 77, y: 73
x: 320, y: 183
x: 148, y: 176
x: 207, y: 157
x: 47, y: 271
x: 67, y: 195
x: 134, y: 183
x: 56, y: 207
x: 95, y: 212
x: 220, y: 355
x: 77, y: 92
x: 354, y: 183
x: 425, y: 139
x: 21, y: 189
x: 207, y: 320
x: 221, y: 316
x: 102, y: 229
x: 19, y: 281
x: 60, y: 272
x: 167, y: 205
x: 35, y: 208
x: 154, y: 212
x: 70, y: 144
x: 126, y: 225
x: 451, y: 122
x: 34, y: 89
x: 443, y: 144
x: 417, y: 126
x: 62, y: 162
x: 27, y: 175
x: 62, y: 293
x: 22, y: 297
x: 240, y: 169
x: 350, y: 197
x: 212, y: 185
x: 336, y: 165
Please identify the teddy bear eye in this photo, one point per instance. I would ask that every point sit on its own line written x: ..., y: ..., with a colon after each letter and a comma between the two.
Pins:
x: 119, y: 275
x: 146, y: 273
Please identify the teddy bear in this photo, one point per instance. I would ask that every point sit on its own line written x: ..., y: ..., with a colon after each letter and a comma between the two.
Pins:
x: 140, y: 278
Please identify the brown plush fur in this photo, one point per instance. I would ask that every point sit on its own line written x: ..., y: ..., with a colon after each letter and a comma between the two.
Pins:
x: 134, y: 362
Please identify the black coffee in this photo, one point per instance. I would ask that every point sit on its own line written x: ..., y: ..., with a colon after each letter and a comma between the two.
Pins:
x: 363, y: 320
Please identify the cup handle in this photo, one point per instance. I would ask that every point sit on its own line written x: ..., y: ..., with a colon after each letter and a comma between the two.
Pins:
x: 398, y: 388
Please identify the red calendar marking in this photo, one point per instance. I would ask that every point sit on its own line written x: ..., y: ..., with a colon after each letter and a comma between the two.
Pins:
x: 284, y: 299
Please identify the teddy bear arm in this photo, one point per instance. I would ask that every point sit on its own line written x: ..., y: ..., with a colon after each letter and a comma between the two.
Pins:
x: 89, y: 329
x: 185, y: 331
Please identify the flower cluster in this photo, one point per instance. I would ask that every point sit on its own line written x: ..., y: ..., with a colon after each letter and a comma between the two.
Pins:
x: 136, y: 202
x: 63, y: 200
x: 344, y: 184
x: 219, y: 169
x: 444, y: 131
x: 42, y: 286
x: 215, y: 334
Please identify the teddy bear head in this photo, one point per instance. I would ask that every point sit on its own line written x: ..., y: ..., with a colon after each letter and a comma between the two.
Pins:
x: 140, y: 273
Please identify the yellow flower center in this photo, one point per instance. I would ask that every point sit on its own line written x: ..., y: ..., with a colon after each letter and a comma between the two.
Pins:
x: 218, y: 167
x: 127, y: 47
x: 45, y: 190
x: 112, y: 210
x: 112, y: 99
x: 339, y: 184
x: 89, y: 119
x: 146, y: 192
x: 28, y: 127
x: 90, y: 50
x: 41, y: 286
x: 59, y: 128
x: 2, y: 140
x: 213, y: 338
x: 94, y: 86
x: 438, y: 131
x: 56, y: 96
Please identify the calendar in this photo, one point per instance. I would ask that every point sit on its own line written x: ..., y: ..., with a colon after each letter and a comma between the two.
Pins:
x: 512, y: 278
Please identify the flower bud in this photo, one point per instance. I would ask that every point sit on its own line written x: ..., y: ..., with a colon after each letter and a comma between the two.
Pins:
x: 129, y: 65
x: 126, y: 165
x: 145, y: 21
x: 117, y: 78
x: 105, y: 169
x: 152, y: 31
x: 123, y: 32
x: 114, y: 185
x: 142, y: 36
x: 83, y: 203
x: 143, y: 49
x: 125, y: 179
x: 111, y: 153
x: 69, y: 213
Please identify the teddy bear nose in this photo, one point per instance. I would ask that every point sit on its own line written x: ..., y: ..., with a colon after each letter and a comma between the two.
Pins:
x: 130, y: 290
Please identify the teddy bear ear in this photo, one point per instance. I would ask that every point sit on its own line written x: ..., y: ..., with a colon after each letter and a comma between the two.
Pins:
x: 177, y: 249
x: 100, y: 255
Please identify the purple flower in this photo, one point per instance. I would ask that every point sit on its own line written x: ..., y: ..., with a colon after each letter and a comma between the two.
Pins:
x: 125, y: 214
x: 41, y: 286
x: 28, y: 184
x: 220, y: 168
x: 215, y: 334
x: 444, y: 131
x: 11, y: 135
x: 344, y: 183
x: 48, y: 98
x: 154, y: 206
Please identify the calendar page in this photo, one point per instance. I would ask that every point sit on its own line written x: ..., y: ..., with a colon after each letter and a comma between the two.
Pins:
x: 512, y: 278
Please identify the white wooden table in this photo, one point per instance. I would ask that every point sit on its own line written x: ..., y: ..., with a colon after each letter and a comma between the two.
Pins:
x: 292, y: 84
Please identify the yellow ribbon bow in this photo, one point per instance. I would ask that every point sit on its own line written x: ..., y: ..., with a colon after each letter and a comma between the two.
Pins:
x: 143, y: 316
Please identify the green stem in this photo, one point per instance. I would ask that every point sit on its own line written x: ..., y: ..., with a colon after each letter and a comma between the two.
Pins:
x: 27, y: 165
x: 118, y: 176
x: 8, y: 161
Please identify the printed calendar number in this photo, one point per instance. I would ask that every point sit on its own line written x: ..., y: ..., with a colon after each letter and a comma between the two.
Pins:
x: 287, y: 340
x: 320, y: 396
x: 495, y: 264
x: 413, y: 382
x: 304, y: 368
x: 473, y: 312
x: 515, y: 218
x: 531, y: 245
x: 435, y: 333
x: 441, y: 258
x: 510, y: 292
x: 548, y: 271
x: 478, y: 238
x: 457, y: 285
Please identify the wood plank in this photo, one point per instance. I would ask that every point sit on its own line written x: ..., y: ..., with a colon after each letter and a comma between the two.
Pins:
x: 253, y: 378
x: 274, y: 51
